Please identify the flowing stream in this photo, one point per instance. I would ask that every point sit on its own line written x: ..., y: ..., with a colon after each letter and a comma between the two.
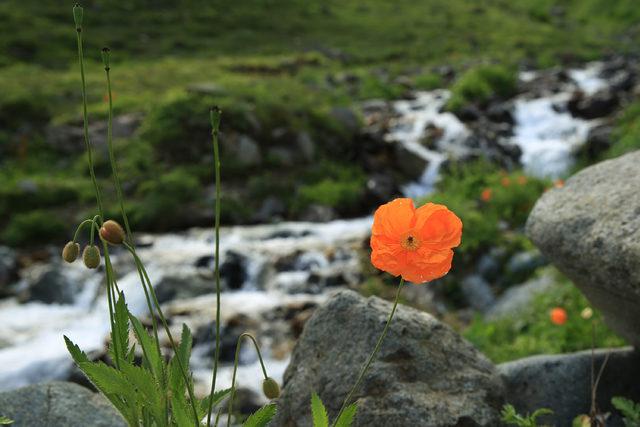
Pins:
x: 276, y: 266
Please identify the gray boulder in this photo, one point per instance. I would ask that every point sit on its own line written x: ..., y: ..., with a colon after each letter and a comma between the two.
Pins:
x: 562, y: 383
x: 590, y: 229
x: 424, y: 375
x: 47, y: 283
x: 58, y: 404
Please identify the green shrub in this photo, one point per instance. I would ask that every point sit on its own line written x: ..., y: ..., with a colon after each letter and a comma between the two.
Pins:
x: 531, y: 332
x: 630, y: 411
x: 162, y: 202
x: 428, y: 81
x: 482, y: 83
x: 626, y: 136
x: 42, y: 193
x: 32, y: 228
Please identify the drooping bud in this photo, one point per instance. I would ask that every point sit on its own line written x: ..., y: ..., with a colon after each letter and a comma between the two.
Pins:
x: 77, y: 16
x: 270, y: 388
x: 112, y: 232
x: 70, y: 252
x: 91, y: 256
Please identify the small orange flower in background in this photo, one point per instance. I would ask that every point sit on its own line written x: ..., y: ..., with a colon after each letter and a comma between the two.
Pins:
x: 414, y: 243
x: 558, y: 316
x: 486, y: 194
x: 522, y: 180
x: 558, y: 183
x: 505, y: 181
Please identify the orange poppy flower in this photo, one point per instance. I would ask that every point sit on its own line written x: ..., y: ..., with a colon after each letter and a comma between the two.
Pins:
x: 505, y: 181
x: 486, y: 194
x: 559, y: 183
x: 414, y: 243
x: 558, y: 316
x: 522, y: 180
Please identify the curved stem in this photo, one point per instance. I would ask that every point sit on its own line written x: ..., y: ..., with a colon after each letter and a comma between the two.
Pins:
x: 366, y: 366
x: 215, y: 121
x: 165, y: 324
x: 235, y: 369
x: 85, y: 119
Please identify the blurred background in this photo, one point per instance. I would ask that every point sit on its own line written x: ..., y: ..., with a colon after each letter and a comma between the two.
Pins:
x: 330, y: 108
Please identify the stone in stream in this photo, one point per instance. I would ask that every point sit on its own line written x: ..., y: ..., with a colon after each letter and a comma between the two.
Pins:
x: 424, y: 375
x: 590, y: 229
x: 58, y: 404
x: 47, y: 283
x: 562, y: 383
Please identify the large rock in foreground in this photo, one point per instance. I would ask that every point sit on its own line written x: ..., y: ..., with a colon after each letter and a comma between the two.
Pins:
x: 58, y: 404
x: 562, y: 383
x: 424, y: 375
x: 590, y: 229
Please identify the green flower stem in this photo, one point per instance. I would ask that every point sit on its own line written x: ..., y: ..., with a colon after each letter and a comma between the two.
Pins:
x: 366, y: 366
x: 85, y: 116
x: 81, y: 226
x: 235, y: 369
x: 215, y: 126
x: 112, y: 157
x: 165, y: 324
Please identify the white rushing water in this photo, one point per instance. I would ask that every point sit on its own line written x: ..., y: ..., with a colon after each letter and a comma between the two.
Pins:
x: 31, y: 345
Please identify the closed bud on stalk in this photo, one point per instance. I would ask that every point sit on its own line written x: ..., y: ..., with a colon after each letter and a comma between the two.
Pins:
x: 91, y: 256
x: 77, y: 16
x: 106, y: 53
x: 70, y: 252
x: 215, y: 114
x: 270, y: 388
x: 112, y: 232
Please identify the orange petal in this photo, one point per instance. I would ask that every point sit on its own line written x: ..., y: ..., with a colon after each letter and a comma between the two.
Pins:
x: 436, y: 265
x: 438, y: 226
x: 393, y: 219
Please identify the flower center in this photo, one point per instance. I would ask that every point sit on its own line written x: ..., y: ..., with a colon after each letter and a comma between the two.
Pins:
x: 410, y: 242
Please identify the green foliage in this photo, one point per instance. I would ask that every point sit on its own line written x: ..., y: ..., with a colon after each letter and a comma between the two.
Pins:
x: 482, y: 83
x: 511, y: 197
x: 34, y: 227
x: 150, y: 393
x: 626, y: 136
x: 629, y: 410
x: 5, y: 421
x: 511, y: 417
x: 319, y: 412
x: 349, y: 413
x: 262, y: 416
x: 428, y: 81
x: 163, y: 200
x: 530, y: 331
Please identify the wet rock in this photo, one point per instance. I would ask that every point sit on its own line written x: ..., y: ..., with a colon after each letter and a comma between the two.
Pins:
x: 272, y: 209
x: 600, y: 104
x: 424, y: 374
x: 233, y: 270
x: 469, y: 113
x: 477, y: 292
x: 598, y: 141
x: 380, y: 188
x: 47, y: 283
x: 318, y: 213
x: 58, y: 404
x: 590, y: 229
x: 8, y: 270
x: 411, y: 164
x: 243, y: 149
x: 500, y: 113
x: 347, y: 118
x: 181, y: 286
x: 69, y: 139
x: 205, y: 336
x: 519, y: 297
x: 521, y: 266
x: 562, y: 383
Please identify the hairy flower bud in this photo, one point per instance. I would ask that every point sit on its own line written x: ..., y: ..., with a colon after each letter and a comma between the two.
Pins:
x: 77, y: 16
x: 112, y: 232
x: 270, y: 388
x: 91, y: 256
x: 70, y: 251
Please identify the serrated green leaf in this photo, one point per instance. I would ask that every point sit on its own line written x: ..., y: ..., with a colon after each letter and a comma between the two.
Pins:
x: 149, y: 348
x: 630, y: 411
x: 77, y: 355
x: 346, y: 418
x: 148, y: 393
x: 215, y: 398
x: 319, y: 412
x: 121, y: 330
x: 262, y: 416
x: 5, y: 421
x: 180, y: 411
